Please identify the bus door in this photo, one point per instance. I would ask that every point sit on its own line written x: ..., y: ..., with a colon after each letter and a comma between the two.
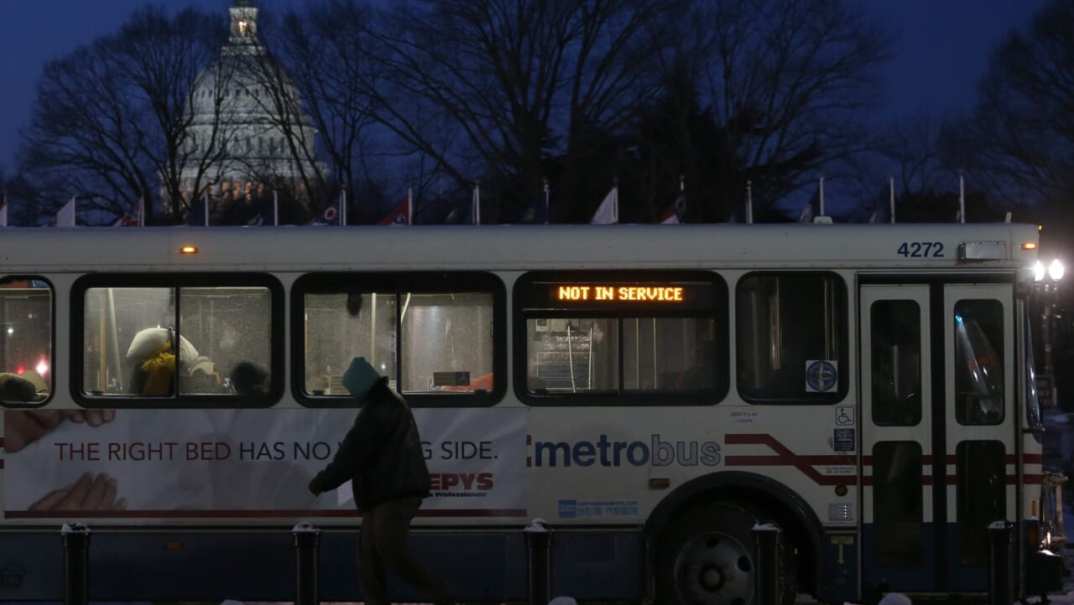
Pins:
x: 898, y: 529
x: 979, y: 419
x: 937, y: 431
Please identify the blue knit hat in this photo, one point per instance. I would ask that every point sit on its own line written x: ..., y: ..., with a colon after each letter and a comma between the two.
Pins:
x: 360, y: 377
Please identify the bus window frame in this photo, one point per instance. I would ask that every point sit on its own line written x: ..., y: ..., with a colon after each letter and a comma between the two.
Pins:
x: 805, y: 399
x: 179, y: 280
x: 719, y: 312
x: 421, y: 282
x: 53, y: 383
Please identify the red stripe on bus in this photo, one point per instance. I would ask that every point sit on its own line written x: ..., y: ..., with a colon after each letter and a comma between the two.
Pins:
x: 786, y: 457
x: 867, y: 460
x: 246, y: 514
x: 953, y: 480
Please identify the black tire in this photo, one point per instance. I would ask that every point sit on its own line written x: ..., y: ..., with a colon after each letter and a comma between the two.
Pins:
x: 705, y: 557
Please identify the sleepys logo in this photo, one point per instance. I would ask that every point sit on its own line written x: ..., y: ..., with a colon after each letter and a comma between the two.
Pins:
x: 604, y: 452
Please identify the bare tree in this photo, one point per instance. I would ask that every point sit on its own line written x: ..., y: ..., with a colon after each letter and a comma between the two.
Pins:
x: 787, y: 80
x: 112, y: 122
x: 1021, y: 135
x: 324, y: 53
x: 517, y: 81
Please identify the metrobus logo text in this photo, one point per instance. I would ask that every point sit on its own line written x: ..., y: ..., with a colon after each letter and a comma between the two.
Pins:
x: 620, y: 293
x: 604, y: 452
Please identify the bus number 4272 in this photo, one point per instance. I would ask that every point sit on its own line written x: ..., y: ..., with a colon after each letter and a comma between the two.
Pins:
x: 921, y: 249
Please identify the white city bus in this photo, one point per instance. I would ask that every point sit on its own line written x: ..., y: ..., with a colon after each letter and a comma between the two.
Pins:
x: 650, y: 392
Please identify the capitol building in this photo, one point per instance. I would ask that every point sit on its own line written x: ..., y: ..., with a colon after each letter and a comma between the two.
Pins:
x: 243, y: 109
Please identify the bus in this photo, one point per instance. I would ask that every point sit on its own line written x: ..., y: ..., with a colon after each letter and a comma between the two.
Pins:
x: 647, y: 392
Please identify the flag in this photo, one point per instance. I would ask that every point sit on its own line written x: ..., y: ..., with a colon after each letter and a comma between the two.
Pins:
x: 400, y: 215
x: 138, y: 220
x: 330, y: 216
x: 608, y: 211
x: 66, y: 217
x: 126, y: 220
x: 475, y: 205
x: 672, y: 214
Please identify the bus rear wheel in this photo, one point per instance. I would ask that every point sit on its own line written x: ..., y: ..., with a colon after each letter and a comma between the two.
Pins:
x: 705, y: 557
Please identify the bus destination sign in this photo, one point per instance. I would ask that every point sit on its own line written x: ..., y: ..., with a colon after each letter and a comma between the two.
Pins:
x: 618, y: 294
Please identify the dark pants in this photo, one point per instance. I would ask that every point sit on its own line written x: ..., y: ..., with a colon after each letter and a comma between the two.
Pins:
x: 382, y: 546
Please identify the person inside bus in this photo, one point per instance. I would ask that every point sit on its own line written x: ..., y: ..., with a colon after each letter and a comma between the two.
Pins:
x: 16, y: 389
x: 382, y: 457
x: 250, y: 380
x: 153, y: 366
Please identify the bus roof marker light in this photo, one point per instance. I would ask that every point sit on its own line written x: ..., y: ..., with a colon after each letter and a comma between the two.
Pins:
x: 188, y: 250
x: 1029, y: 246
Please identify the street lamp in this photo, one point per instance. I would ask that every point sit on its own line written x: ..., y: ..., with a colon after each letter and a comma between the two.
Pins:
x: 1056, y: 270
x: 1046, y: 282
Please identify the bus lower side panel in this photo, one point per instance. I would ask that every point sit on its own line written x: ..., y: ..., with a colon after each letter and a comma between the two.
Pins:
x: 597, y: 565
x: 190, y: 566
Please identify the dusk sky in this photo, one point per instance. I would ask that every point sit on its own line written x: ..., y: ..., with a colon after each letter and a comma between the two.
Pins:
x: 942, y: 48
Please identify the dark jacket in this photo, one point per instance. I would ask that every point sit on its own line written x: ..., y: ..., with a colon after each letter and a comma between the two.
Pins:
x: 381, y: 454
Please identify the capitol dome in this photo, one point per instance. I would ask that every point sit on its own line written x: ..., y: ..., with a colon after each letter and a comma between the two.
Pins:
x: 242, y: 106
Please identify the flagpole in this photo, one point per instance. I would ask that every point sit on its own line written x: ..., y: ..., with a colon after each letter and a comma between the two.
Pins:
x: 409, y: 205
x: 275, y: 208
x: 749, y: 202
x: 3, y: 211
x: 615, y: 202
x: 206, y: 200
x: 821, y: 197
x: 547, y: 207
x: 682, y: 183
x: 961, y: 198
x: 891, y: 197
x: 342, y: 214
x: 476, y: 210
x: 141, y: 211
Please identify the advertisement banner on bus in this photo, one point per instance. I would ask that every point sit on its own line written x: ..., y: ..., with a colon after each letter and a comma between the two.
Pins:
x: 248, y: 463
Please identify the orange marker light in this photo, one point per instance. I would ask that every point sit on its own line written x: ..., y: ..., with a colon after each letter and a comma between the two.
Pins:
x: 188, y: 250
x: 1029, y: 246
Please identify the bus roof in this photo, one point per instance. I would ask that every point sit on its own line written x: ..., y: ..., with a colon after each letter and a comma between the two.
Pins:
x: 512, y: 247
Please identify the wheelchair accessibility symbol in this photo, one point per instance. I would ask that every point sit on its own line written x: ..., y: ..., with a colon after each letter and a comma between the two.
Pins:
x: 844, y: 416
x: 822, y: 376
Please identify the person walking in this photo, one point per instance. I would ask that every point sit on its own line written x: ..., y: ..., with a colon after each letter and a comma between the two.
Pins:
x: 382, y: 456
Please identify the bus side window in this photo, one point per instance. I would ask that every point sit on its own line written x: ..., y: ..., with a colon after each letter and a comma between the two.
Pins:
x: 447, y: 342
x: 669, y: 354
x: 572, y: 355
x: 791, y: 337
x: 231, y: 328
x: 25, y: 341
x: 128, y: 337
x: 341, y: 326
x: 220, y: 345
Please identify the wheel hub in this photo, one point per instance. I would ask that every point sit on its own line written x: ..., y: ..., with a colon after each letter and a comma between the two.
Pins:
x: 711, y: 578
x: 714, y: 568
